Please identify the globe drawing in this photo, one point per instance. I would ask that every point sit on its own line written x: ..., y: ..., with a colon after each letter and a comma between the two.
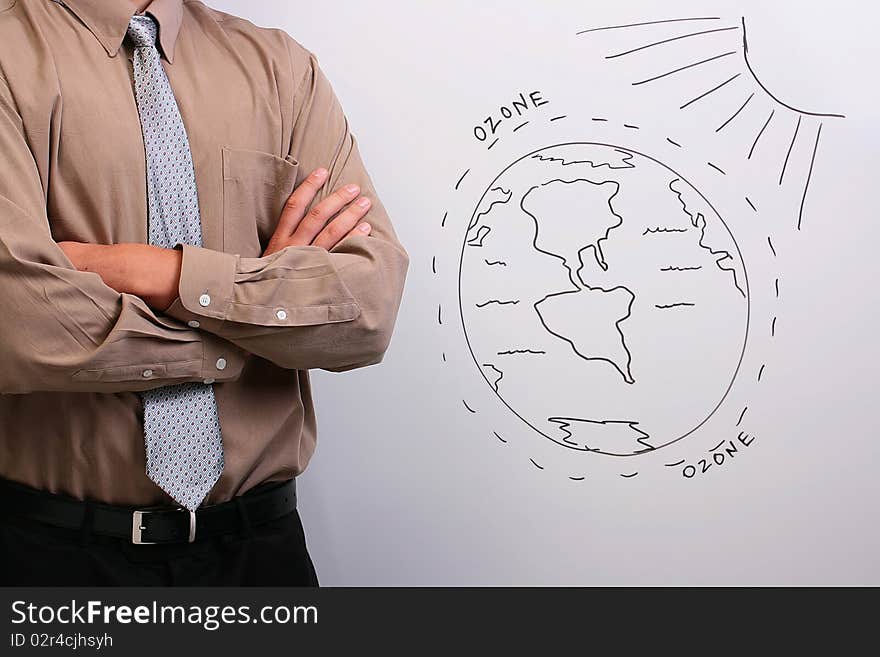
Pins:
x: 603, y: 299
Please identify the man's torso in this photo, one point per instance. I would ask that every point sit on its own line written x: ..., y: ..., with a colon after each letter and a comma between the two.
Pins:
x: 234, y: 83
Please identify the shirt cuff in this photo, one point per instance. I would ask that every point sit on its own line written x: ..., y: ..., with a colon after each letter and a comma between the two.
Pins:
x: 205, y: 288
x: 310, y: 291
x: 221, y: 360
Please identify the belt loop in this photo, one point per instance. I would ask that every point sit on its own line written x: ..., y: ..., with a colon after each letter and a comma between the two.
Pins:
x: 243, y: 514
x: 85, y: 529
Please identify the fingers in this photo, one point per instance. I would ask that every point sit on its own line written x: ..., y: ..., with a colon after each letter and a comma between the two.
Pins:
x: 362, y: 228
x: 316, y: 219
x: 327, y: 223
x: 348, y: 222
x: 296, y: 204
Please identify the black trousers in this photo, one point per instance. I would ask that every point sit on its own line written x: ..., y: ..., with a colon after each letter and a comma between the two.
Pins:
x: 268, y: 554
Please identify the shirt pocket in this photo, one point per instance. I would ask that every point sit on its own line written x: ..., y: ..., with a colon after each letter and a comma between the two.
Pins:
x: 256, y: 185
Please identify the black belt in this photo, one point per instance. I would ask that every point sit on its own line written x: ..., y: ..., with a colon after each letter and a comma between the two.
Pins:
x: 155, y: 524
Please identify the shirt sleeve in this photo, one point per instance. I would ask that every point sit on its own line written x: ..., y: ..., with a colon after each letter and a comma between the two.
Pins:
x: 66, y: 330
x: 304, y: 307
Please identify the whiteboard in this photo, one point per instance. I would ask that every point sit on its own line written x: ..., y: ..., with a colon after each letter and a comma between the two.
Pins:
x: 637, y: 343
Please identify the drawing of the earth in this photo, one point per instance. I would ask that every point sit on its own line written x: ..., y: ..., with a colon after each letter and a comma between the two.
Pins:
x: 603, y: 298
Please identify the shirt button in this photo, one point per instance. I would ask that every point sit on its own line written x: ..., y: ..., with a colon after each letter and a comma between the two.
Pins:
x: 281, y: 314
x: 208, y: 381
x: 205, y: 300
x: 221, y: 363
x: 194, y: 323
x: 147, y: 373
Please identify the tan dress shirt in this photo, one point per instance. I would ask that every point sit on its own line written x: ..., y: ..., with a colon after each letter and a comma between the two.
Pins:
x: 74, y: 352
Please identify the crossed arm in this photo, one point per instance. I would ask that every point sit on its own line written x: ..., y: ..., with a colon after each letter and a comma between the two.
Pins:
x: 153, y: 273
x: 126, y: 317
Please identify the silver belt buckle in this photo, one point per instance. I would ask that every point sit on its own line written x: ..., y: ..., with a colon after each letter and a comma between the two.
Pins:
x: 138, y: 527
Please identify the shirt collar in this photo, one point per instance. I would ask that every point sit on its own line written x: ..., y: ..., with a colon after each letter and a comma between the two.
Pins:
x: 108, y: 20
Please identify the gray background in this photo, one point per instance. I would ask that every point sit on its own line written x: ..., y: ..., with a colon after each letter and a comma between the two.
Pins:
x: 408, y: 488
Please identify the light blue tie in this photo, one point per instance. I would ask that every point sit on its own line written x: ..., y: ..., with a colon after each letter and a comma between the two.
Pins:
x: 184, y: 449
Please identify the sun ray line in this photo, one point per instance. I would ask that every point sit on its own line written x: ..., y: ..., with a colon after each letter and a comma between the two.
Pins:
x: 809, y: 177
x: 677, y: 38
x: 735, y: 114
x: 761, y: 132
x: 684, y: 68
x: 712, y: 90
x: 668, y: 20
x: 790, y: 147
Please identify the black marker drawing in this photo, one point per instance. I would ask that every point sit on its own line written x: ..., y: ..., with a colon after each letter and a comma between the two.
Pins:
x: 758, y: 104
x: 670, y: 40
x: 667, y: 20
x: 761, y: 132
x: 623, y: 164
x: 604, y: 299
x: 602, y: 435
x: 496, y: 302
x: 576, y: 263
x: 698, y: 221
x: 659, y: 229
x: 712, y: 90
x: 684, y: 68
x: 790, y: 147
x: 765, y: 89
x: 809, y: 177
x: 481, y: 235
x: 735, y: 114
x: 495, y: 370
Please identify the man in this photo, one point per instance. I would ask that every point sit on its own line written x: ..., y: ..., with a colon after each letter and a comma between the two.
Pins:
x: 186, y: 228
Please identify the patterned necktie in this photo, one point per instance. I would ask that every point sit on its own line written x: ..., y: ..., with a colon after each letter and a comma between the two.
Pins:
x: 184, y: 449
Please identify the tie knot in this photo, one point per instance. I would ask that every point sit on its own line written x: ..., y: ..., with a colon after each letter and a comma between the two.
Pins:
x: 142, y: 30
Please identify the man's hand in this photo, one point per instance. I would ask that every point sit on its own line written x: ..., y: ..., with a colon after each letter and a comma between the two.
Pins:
x: 326, y: 224
x: 153, y: 273
x: 148, y: 271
